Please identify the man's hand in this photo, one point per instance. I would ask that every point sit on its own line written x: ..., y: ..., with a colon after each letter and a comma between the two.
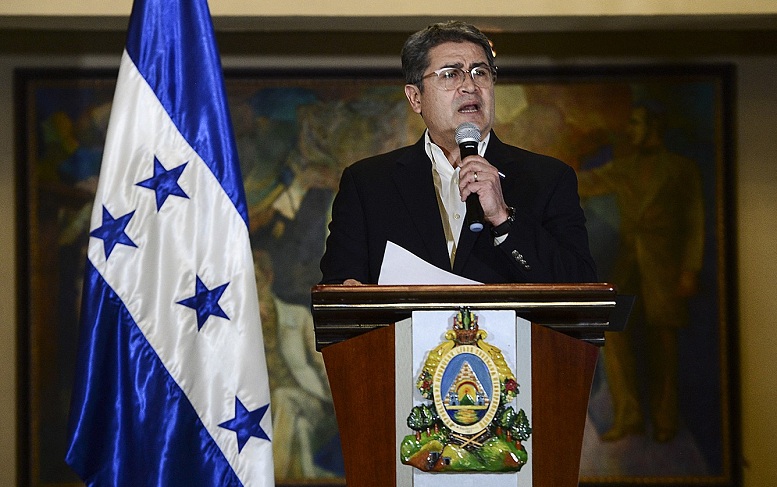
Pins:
x: 478, y: 176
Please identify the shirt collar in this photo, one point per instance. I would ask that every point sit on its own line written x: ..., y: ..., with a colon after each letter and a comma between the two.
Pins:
x: 437, y: 156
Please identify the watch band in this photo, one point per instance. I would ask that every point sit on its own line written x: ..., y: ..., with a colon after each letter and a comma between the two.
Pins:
x: 504, y: 227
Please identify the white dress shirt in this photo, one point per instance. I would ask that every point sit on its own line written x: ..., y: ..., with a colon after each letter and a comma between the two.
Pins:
x: 446, y: 185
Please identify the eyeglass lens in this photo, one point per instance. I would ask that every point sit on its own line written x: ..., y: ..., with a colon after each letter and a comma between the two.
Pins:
x: 452, y: 78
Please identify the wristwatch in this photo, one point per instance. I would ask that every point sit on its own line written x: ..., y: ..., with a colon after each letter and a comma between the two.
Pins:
x: 504, y: 227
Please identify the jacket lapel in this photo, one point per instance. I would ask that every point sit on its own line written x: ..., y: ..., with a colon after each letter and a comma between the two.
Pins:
x: 413, y: 179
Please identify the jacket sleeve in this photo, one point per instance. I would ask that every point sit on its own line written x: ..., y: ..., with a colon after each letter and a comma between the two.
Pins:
x: 549, y: 243
x: 346, y: 253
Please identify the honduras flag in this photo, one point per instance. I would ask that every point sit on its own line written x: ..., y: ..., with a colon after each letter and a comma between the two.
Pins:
x: 171, y: 385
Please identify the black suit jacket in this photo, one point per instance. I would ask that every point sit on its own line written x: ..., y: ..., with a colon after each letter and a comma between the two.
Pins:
x: 392, y: 197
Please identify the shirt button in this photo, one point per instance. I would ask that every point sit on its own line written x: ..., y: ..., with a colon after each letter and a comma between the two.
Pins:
x: 456, y: 216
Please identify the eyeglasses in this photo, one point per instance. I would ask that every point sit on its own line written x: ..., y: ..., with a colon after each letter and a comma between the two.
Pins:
x: 450, y: 79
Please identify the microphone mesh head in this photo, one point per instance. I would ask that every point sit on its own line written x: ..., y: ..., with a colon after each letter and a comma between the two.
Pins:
x: 467, y: 131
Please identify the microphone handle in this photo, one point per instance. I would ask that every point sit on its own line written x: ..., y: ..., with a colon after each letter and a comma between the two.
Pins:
x: 474, y: 218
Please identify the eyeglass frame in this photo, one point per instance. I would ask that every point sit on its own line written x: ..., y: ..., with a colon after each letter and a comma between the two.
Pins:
x: 491, y: 69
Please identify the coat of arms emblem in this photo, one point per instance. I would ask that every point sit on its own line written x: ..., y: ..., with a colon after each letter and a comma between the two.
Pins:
x: 469, y: 423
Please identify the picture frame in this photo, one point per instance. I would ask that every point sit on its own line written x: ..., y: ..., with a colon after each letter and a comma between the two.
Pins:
x: 296, y: 130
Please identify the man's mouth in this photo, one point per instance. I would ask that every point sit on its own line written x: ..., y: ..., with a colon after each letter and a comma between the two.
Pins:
x: 469, y: 108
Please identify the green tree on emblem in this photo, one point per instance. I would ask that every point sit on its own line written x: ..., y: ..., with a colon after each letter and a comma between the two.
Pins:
x: 416, y: 421
x: 521, y: 429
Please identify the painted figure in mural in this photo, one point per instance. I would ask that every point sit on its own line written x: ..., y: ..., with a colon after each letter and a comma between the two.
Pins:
x: 288, y: 221
x: 300, y: 391
x: 291, y: 143
x: 661, y: 238
x: 414, y: 196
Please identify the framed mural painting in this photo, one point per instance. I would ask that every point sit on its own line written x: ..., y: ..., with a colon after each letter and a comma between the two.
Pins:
x: 297, y: 130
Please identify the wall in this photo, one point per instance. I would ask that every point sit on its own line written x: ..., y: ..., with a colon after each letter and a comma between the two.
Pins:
x: 7, y: 285
x: 756, y: 209
x: 757, y: 261
x: 358, y: 8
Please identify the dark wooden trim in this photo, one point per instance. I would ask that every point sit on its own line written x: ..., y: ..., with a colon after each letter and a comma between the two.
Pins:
x: 583, y: 311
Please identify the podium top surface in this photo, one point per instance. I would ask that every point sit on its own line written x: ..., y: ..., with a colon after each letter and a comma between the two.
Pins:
x: 583, y: 311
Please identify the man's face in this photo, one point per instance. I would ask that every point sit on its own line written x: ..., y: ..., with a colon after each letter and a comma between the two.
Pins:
x: 442, y: 110
x: 637, y: 129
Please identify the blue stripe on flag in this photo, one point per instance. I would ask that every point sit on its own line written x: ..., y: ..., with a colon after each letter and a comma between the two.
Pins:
x: 173, y: 46
x: 152, y: 431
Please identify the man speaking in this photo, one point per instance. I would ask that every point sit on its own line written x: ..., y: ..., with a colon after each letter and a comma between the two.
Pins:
x: 532, y: 228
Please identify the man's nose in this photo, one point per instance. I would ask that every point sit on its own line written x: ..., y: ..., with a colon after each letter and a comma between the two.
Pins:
x: 468, y: 85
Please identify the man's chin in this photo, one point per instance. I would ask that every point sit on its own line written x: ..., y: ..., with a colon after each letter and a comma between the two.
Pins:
x: 474, y: 117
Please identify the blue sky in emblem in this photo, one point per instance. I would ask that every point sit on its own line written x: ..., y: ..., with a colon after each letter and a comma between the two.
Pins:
x: 478, y: 367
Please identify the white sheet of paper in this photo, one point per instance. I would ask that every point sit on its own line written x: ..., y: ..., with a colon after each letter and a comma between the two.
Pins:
x: 402, y: 267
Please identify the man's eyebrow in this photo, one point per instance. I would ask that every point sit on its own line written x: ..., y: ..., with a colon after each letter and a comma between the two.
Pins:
x: 461, y: 65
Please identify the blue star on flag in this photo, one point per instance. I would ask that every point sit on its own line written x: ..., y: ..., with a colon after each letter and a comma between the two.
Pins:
x: 164, y: 183
x: 246, y: 424
x: 206, y: 302
x: 111, y: 232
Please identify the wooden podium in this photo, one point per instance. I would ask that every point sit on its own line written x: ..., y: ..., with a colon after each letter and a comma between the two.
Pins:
x: 354, y: 332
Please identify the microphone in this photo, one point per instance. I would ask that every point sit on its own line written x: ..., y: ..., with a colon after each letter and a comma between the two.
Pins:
x: 468, y: 137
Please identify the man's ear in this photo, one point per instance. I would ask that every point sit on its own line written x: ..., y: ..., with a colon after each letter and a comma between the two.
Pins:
x: 413, y: 95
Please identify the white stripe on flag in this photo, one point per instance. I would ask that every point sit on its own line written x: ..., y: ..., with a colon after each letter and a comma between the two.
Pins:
x: 200, y: 236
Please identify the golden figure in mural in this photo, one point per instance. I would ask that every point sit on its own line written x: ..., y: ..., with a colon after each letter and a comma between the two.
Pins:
x: 661, y: 241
